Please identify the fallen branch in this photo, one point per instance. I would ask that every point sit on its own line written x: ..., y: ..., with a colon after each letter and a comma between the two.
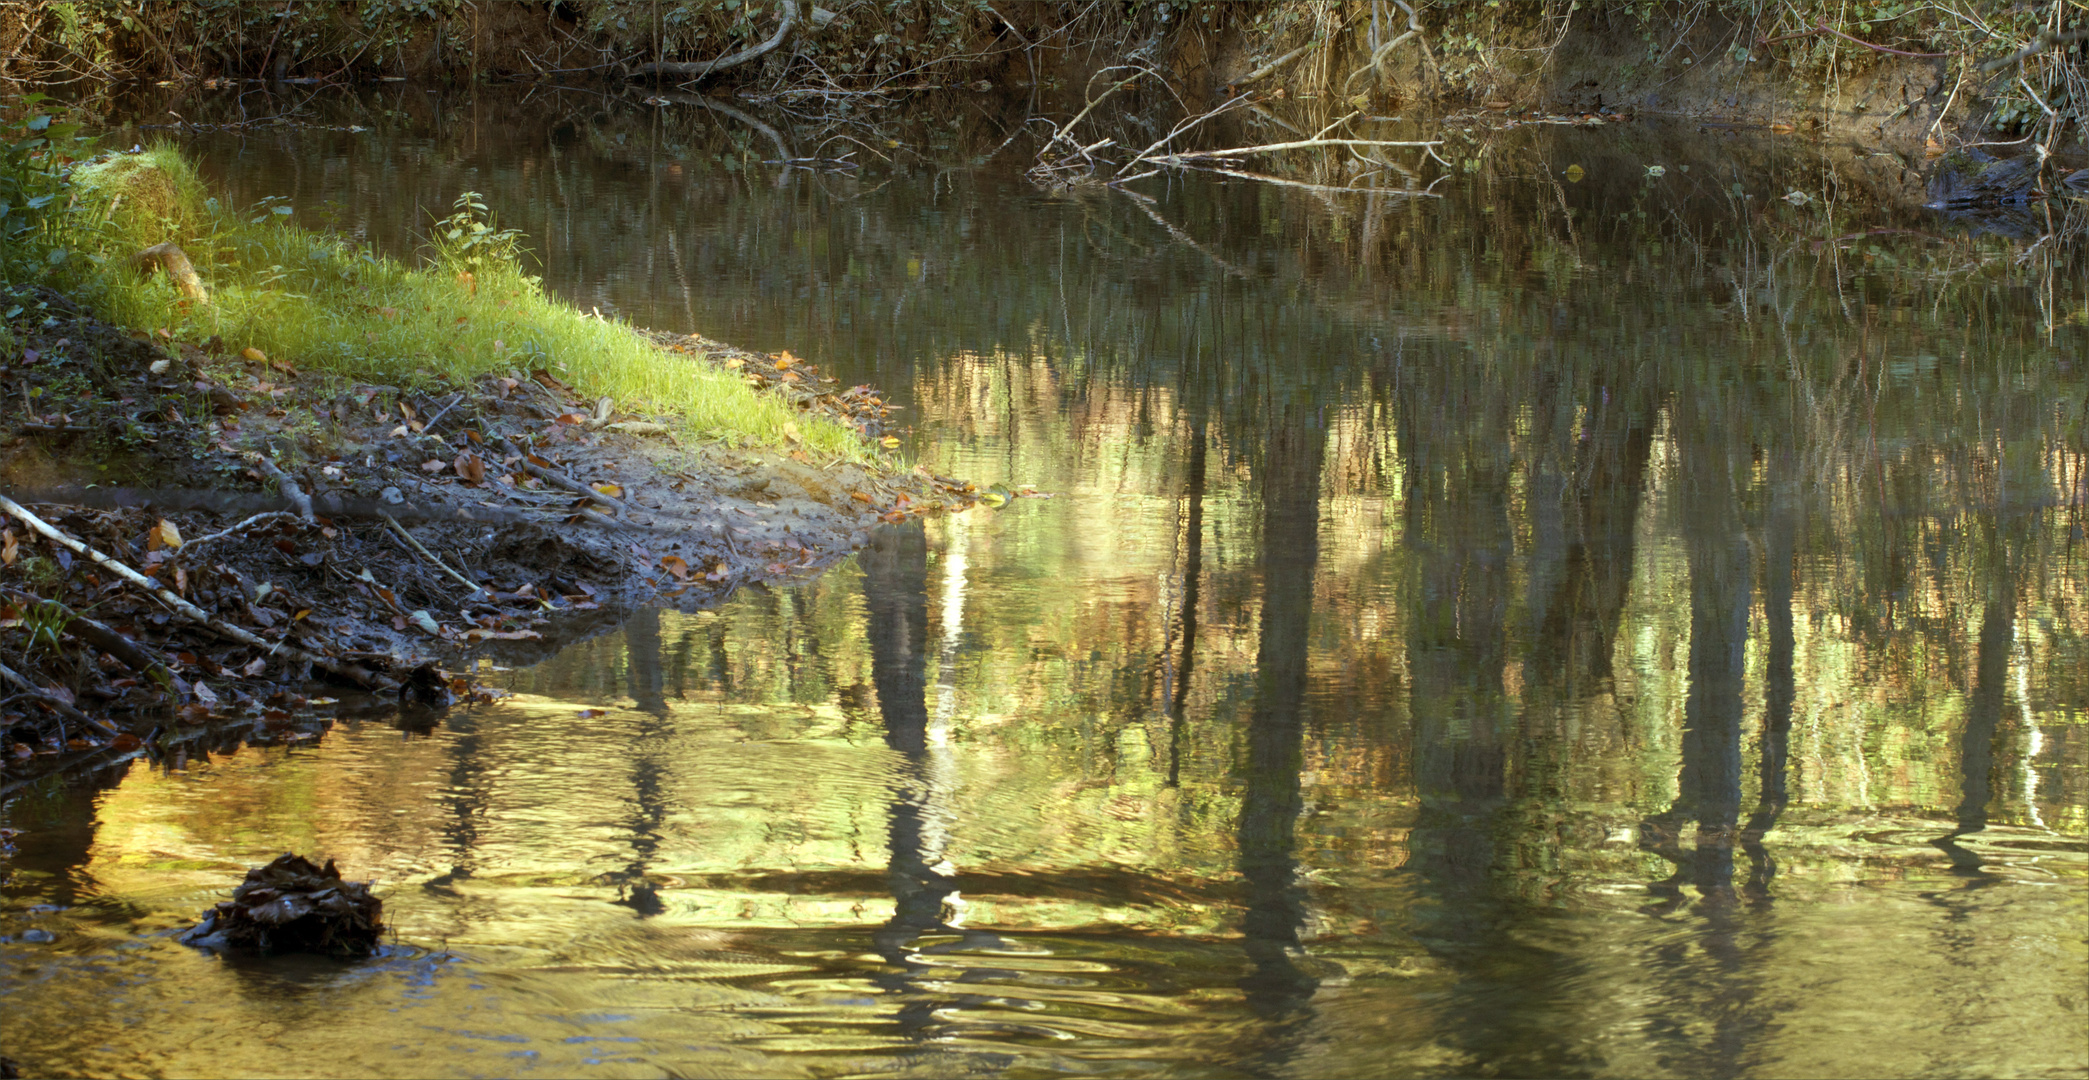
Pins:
x: 553, y: 476
x: 445, y: 567
x: 2046, y: 40
x: 1270, y: 68
x: 1823, y: 28
x: 1378, y: 55
x: 176, y: 263
x: 1243, y: 174
x: 100, y: 636
x: 1302, y: 144
x: 53, y: 702
x: 784, y: 30
x: 199, y: 543
x: 1066, y: 131
x: 183, y: 608
x: 298, y: 499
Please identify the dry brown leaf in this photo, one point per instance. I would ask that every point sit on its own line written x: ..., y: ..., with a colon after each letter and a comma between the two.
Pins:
x: 162, y: 535
x: 676, y: 565
x: 471, y: 468
x: 11, y: 550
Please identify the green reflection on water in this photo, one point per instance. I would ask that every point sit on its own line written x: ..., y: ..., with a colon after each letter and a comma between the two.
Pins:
x: 1627, y: 632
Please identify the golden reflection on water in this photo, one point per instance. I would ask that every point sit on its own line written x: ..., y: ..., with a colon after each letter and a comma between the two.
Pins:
x: 1507, y: 649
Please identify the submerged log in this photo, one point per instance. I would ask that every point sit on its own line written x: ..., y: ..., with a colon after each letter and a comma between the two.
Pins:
x: 176, y: 263
x: 291, y: 905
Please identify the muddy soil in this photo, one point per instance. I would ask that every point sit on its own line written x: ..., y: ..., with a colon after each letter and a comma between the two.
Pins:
x: 395, y: 538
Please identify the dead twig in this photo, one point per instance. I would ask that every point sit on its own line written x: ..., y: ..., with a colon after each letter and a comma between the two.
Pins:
x: 53, y: 702
x: 183, y: 608
x: 441, y: 565
x: 553, y: 476
x: 291, y: 492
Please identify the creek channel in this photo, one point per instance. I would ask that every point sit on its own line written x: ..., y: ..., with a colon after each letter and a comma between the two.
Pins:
x: 1607, y: 620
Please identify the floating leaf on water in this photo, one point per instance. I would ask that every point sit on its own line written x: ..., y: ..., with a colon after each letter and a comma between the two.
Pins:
x: 1575, y: 173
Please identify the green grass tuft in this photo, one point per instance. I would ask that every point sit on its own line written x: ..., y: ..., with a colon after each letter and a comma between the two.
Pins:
x: 330, y: 306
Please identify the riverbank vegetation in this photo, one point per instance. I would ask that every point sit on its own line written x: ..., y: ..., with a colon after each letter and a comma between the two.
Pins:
x: 2000, y: 72
x: 250, y: 279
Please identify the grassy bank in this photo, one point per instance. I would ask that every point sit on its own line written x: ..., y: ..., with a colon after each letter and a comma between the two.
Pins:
x: 318, y: 304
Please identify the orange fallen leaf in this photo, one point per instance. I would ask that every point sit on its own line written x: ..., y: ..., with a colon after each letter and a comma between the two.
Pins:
x: 163, y: 535
x: 609, y: 489
x: 676, y: 565
x: 470, y: 468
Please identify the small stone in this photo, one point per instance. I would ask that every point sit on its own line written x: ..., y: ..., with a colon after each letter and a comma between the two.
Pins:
x: 39, y: 937
x: 391, y: 495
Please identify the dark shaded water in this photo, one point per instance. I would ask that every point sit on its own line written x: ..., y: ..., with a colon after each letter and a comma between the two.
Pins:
x: 1609, y: 627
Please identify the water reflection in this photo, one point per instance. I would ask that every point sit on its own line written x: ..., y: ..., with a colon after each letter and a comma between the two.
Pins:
x: 1611, y: 629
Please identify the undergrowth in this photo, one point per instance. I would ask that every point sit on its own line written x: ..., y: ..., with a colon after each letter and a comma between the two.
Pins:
x: 329, y: 306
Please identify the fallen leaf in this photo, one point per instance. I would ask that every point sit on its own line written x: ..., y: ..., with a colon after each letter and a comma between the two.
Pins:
x: 13, y: 548
x: 471, y: 468
x: 790, y: 431
x: 860, y: 497
x: 256, y: 667
x: 434, y: 465
x: 163, y: 535
x: 609, y: 489
x: 572, y: 418
x: 734, y: 362
x: 254, y: 354
x: 674, y: 564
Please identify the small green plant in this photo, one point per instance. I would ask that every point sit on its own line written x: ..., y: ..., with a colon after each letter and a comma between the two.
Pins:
x: 468, y: 242
x: 35, y: 151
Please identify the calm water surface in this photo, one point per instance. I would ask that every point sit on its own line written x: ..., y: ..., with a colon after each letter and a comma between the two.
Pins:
x: 1625, y: 627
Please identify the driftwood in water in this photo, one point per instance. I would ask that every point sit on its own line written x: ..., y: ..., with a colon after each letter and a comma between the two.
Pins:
x: 292, y: 905
x: 176, y: 263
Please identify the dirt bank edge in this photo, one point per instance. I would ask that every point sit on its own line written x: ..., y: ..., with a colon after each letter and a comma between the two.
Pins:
x: 407, y: 534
